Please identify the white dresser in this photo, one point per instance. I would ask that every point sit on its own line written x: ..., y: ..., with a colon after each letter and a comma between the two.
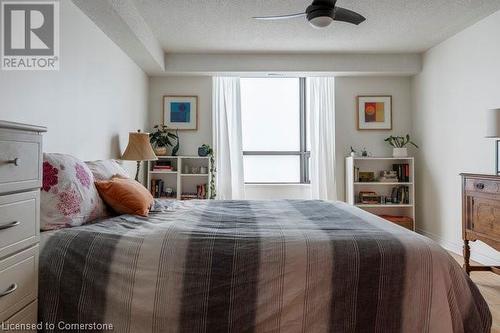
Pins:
x: 20, y: 182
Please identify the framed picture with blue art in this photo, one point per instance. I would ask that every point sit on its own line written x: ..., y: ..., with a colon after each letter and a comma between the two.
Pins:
x: 180, y: 112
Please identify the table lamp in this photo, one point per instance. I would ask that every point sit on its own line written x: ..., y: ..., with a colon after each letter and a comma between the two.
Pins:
x: 139, y: 149
x: 493, y: 130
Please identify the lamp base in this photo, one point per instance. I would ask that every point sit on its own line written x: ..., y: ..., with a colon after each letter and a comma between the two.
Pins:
x: 137, y: 172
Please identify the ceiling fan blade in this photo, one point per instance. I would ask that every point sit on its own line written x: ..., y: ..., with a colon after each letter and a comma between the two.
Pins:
x: 280, y: 17
x: 346, y: 15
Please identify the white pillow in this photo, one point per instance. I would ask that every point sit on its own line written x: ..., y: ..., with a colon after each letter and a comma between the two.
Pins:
x: 68, y: 197
x: 106, y: 169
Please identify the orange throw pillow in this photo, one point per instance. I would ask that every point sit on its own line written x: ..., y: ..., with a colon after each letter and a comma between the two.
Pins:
x: 125, y: 196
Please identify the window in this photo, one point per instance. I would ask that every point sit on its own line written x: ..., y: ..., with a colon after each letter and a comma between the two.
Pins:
x: 274, y: 132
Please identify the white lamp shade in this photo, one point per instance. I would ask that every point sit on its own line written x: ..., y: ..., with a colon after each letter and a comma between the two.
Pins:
x: 493, y: 123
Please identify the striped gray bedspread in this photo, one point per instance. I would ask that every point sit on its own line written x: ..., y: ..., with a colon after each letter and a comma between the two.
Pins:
x: 255, y: 266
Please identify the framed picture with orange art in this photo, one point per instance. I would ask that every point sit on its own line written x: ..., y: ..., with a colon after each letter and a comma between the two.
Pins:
x: 374, y: 112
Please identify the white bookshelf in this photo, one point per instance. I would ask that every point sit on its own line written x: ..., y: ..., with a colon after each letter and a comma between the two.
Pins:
x: 177, y: 179
x: 376, y: 165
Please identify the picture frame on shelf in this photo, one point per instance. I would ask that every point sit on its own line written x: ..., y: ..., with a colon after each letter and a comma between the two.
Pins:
x: 180, y: 112
x: 374, y: 112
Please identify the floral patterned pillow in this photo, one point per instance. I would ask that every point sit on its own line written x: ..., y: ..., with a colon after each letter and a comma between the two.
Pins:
x: 106, y: 169
x: 68, y: 195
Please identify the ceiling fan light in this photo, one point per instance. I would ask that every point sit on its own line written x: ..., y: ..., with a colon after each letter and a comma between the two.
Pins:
x: 321, y: 21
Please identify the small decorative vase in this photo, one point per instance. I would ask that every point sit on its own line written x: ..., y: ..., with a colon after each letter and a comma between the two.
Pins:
x: 202, y: 151
x: 399, y: 152
x: 160, y: 151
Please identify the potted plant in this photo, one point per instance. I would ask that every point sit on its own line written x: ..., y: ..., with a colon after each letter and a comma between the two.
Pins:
x: 162, y: 138
x: 206, y: 150
x: 398, y: 144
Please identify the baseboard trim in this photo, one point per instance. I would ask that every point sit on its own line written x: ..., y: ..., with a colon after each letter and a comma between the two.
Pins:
x: 456, y: 247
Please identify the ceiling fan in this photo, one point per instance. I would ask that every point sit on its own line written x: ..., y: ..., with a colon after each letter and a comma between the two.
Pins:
x: 321, y: 13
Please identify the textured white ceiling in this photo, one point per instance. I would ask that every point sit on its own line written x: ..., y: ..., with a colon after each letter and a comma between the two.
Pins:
x: 226, y: 25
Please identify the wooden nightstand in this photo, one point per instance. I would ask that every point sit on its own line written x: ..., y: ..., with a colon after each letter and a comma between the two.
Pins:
x: 480, y: 215
x: 20, y: 182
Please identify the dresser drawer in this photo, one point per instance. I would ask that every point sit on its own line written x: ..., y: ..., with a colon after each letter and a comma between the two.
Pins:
x: 18, y: 281
x: 20, y: 162
x: 19, y: 227
x: 482, y: 186
x: 22, y: 321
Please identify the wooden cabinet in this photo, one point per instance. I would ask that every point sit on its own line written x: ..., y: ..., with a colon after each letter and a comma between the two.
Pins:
x: 480, y: 215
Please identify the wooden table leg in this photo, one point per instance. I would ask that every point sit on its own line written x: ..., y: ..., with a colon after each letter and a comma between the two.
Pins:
x: 466, y: 256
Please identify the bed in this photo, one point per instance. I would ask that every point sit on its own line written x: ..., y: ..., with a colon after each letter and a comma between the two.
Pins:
x: 254, y: 266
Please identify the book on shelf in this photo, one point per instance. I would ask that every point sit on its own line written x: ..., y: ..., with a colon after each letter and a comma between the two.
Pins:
x: 158, y: 189
x: 188, y: 196
x: 400, y: 195
x: 163, y: 166
x: 403, y: 172
x: 356, y: 174
x: 390, y: 176
x: 369, y: 197
x: 201, y: 193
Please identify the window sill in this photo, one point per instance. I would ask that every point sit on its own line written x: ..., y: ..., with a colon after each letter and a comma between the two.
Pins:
x: 277, y: 184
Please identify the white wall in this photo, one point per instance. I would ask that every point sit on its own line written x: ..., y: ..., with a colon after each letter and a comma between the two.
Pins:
x: 90, y: 104
x: 346, y: 133
x: 459, y: 81
x: 200, y: 86
x: 347, y: 88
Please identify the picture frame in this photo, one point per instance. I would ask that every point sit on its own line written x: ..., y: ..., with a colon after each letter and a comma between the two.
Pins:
x: 180, y: 112
x: 374, y: 112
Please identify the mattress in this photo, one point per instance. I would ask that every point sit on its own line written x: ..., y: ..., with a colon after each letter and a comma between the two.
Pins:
x: 255, y: 266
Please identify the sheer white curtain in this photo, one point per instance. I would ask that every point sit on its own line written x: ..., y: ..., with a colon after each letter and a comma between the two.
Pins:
x: 321, y: 104
x: 226, y: 110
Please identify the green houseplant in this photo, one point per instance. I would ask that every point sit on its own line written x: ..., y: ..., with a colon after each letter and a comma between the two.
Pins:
x: 162, y: 138
x: 206, y: 150
x: 399, y: 144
